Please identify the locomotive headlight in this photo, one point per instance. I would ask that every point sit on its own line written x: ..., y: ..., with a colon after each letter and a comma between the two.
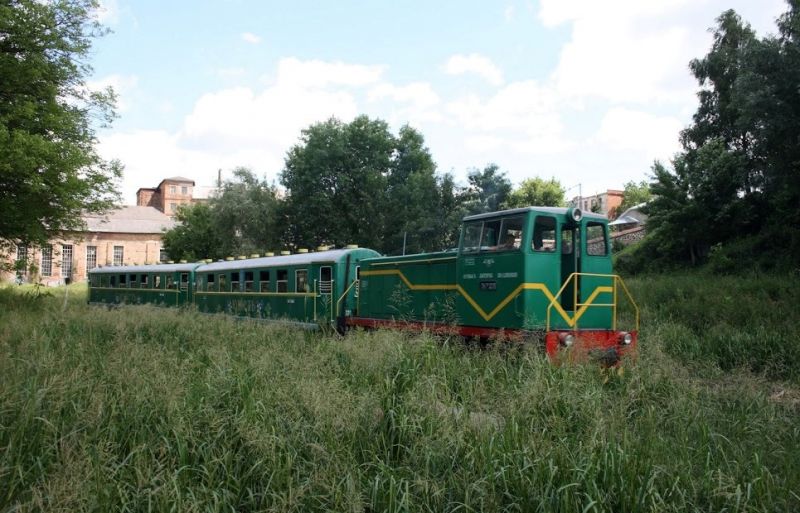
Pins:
x: 625, y: 338
x: 566, y: 339
x: 575, y: 214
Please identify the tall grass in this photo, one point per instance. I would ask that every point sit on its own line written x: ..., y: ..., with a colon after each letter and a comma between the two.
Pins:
x: 144, y: 409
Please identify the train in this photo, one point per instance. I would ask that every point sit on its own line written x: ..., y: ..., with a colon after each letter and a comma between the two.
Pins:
x: 535, y: 274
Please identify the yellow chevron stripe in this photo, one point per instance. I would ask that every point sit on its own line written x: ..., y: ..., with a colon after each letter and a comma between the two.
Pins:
x: 570, y: 320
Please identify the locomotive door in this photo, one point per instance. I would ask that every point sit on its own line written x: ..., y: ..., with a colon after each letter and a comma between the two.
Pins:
x: 570, y: 263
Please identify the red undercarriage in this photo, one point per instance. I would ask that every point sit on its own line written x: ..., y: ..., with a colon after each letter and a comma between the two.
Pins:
x: 604, y: 345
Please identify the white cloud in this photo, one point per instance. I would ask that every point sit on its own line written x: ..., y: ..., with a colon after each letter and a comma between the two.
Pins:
x: 123, y: 85
x: 630, y: 130
x: 414, y: 103
x: 293, y: 72
x: 522, y: 116
x: 474, y: 63
x: 251, y: 38
x: 629, y: 51
x: 508, y: 12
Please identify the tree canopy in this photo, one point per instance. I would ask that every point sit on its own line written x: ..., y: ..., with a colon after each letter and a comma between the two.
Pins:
x: 731, y: 196
x: 634, y: 193
x: 537, y: 192
x: 50, y: 171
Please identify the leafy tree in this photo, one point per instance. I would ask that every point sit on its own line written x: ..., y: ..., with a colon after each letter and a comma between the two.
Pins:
x: 336, y: 182
x: 537, y: 192
x: 488, y: 189
x: 245, y: 217
x: 197, y: 235
x: 735, y: 184
x: 634, y: 193
x: 50, y: 172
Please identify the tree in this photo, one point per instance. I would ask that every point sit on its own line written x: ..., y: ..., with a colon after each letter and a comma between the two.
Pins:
x: 336, y: 182
x: 50, y: 171
x: 537, y: 192
x: 196, y: 236
x: 488, y: 189
x: 735, y: 183
x: 245, y: 217
x: 634, y: 194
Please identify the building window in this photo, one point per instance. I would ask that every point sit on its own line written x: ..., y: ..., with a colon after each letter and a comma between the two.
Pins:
x: 118, y: 255
x: 66, y: 261
x: 22, y: 257
x: 91, y: 257
x: 172, y: 189
x: 47, y: 260
x: 184, y: 190
x: 173, y: 207
x: 162, y: 255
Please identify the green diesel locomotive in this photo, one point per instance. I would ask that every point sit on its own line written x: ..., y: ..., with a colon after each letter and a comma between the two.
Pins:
x: 535, y: 273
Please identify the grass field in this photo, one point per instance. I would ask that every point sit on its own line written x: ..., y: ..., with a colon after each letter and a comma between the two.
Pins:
x: 141, y: 409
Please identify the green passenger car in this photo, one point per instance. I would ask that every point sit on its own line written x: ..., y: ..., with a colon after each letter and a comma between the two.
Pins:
x: 312, y: 288
x: 163, y: 285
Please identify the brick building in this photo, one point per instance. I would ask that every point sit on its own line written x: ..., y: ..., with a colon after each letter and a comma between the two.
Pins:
x: 171, y: 193
x: 606, y: 203
x: 125, y: 235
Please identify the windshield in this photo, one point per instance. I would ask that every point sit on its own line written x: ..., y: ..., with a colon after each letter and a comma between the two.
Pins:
x: 491, y: 235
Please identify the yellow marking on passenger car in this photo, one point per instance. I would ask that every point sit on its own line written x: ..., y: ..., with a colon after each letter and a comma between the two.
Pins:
x: 570, y: 320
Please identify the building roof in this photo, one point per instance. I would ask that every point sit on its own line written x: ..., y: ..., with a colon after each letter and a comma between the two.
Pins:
x: 176, y: 179
x: 129, y: 219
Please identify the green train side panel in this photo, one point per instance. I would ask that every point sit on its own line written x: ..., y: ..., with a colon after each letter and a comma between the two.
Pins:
x: 414, y: 287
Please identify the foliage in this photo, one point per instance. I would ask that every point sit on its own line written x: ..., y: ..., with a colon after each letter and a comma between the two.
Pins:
x: 737, y: 176
x: 487, y: 189
x: 51, y: 172
x: 147, y: 409
x: 537, y: 192
x: 634, y: 194
x: 357, y: 183
x: 243, y: 218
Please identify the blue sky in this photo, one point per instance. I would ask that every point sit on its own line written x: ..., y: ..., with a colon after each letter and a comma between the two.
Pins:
x: 587, y: 92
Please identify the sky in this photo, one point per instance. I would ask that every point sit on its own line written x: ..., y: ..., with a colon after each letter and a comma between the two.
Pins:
x: 588, y: 92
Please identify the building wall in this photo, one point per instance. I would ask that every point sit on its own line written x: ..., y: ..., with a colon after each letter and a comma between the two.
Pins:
x: 136, y: 249
x: 174, y: 194
x: 148, y: 198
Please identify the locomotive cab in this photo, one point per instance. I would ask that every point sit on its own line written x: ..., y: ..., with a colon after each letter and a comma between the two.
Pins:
x: 540, y: 269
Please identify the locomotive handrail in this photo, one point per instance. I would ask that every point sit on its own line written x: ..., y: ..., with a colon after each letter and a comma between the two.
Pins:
x: 339, y: 302
x: 613, y: 305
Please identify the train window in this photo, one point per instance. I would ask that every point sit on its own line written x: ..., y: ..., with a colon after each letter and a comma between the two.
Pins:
x: 210, y: 284
x: 510, y: 234
x: 157, y: 281
x: 170, y: 281
x: 263, y: 281
x: 248, y: 281
x: 113, y: 282
x: 283, y: 280
x: 235, y: 281
x: 472, y: 236
x: 222, y: 283
x: 301, y: 280
x: 123, y: 280
x: 132, y: 281
x: 184, y: 281
x: 566, y: 241
x: 544, y: 234
x: 491, y: 234
x: 143, y: 279
x: 596, y: 239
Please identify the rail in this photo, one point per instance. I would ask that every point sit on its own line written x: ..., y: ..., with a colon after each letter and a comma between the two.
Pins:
x: 579, y: 308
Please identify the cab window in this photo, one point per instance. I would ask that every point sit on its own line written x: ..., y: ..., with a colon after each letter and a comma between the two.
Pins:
x: 544, y: 234
x: 472, y: 236
x: 596, y: 239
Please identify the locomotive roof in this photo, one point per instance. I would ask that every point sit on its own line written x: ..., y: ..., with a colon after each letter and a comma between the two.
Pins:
x: 152, y: 268
x: 332, y: 255
x: 547, y: 210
